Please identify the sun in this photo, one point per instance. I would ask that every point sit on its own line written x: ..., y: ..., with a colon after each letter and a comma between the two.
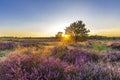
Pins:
x: 65, y: 37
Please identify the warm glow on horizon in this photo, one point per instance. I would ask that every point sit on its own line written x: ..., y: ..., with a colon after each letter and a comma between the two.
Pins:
x: 66, y: 37
x: 108, y: 32
x: 20, y: 34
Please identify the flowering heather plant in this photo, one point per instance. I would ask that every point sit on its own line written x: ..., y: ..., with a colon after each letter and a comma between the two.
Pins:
x: 26, y: 67
x: 115, y: 45
x: 97, y: 72
x: 88, y: 69
x: 59, y: 51
x: 74, y: 65
x: 28, y: 44
x: 53, y: 69
x: 7, y: 45
x: 111, y: 57
x: 15, y: 66
x: 73, y: 56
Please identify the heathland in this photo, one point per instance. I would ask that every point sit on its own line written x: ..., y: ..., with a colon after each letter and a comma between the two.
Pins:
x: 51, y: 59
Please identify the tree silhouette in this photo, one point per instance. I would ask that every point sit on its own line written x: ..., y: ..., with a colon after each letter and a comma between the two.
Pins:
x: 77, y: 31
x: 59, y: 35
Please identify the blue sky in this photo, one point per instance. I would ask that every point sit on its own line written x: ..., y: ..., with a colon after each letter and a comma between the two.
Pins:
x: 47, y: 17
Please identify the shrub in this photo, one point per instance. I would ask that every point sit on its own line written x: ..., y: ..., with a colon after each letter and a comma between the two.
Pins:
x: 115, y: 45
x: 80, y: 56
x: 87, y: 69
x: 7, y: 45
x: 29, y: 44
x: 111, y: 57
x: 91, y: 71
x: 26, y: 67
x: 59, y: 51
x: 75, y: 55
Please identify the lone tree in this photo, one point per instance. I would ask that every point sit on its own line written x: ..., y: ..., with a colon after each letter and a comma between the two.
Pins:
x: 77, y: 31
x: 59, y: 35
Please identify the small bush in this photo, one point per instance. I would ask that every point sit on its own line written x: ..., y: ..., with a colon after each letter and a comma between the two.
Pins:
x: 111, y: 57
x: 74, y: 55
x: 7, y: 45
x: 79, y: 56
x: 115, y: 45
x: 59, y: 51
x: 91, y: 71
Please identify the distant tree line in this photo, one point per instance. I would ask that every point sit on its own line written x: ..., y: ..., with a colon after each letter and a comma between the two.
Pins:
x: 97, y: 37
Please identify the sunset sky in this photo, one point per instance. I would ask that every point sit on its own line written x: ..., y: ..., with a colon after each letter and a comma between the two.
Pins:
x: 42, y: 18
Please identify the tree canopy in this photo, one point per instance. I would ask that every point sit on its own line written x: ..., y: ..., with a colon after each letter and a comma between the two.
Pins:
x: 59, y: 35
x: 77, y: 31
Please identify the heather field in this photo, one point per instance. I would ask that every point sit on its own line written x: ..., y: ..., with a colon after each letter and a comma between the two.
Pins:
x: 59, y: 39
x: 49, y: 59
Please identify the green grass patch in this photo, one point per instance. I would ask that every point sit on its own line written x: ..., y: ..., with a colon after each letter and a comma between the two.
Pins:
x: 99, y: 47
